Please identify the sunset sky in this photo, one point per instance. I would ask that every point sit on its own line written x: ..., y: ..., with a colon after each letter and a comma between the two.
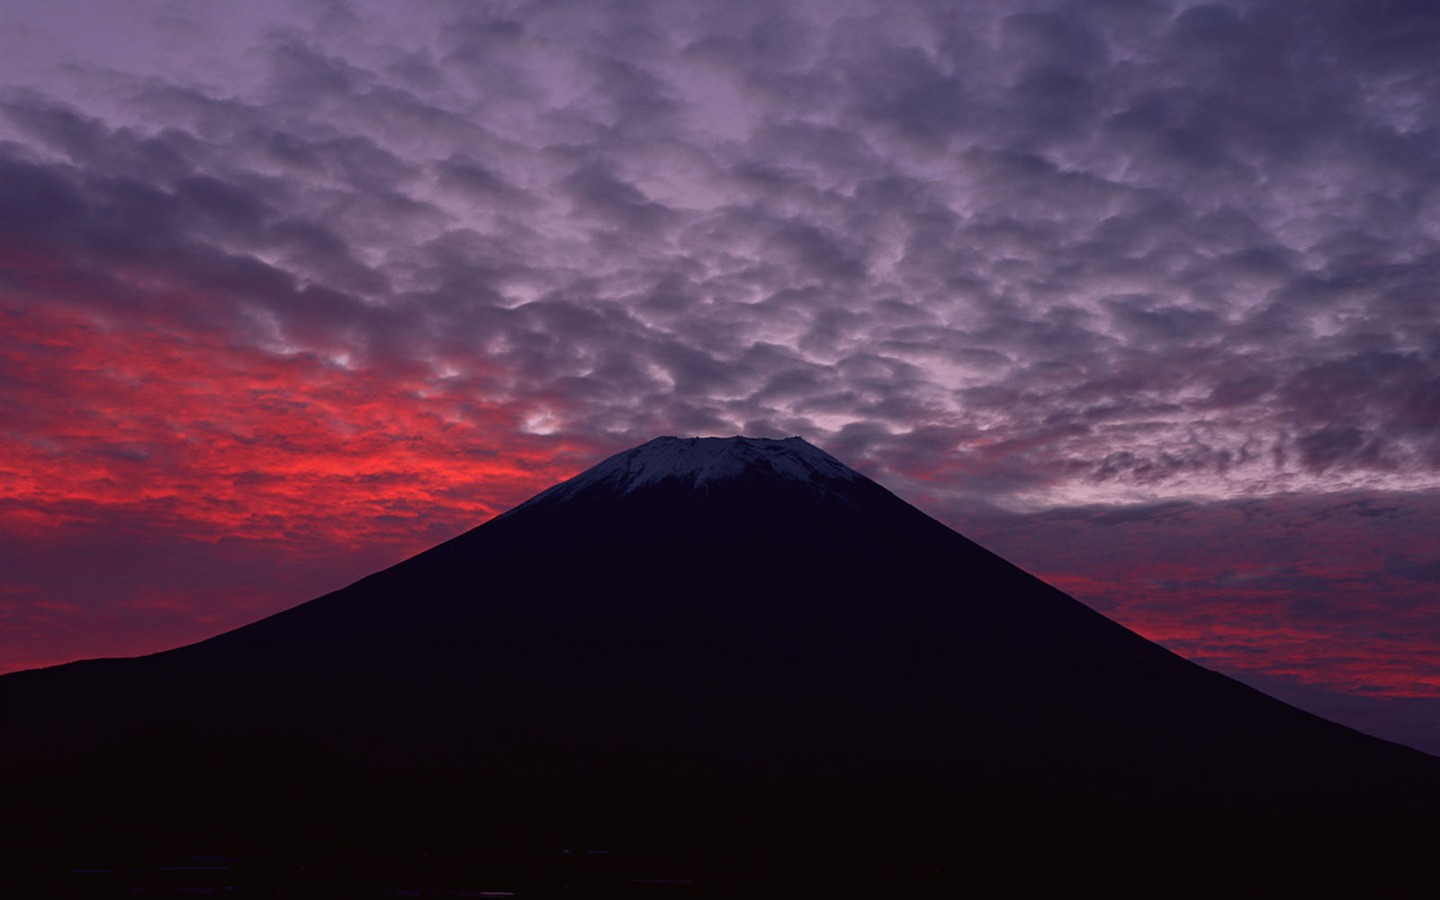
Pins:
x: 1142, y: 295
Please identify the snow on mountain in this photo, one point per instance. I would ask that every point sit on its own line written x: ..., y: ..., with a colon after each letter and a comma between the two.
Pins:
x: 700, y: 460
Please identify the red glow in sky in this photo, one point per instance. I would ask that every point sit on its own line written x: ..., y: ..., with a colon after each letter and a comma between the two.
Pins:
x: 142, y: 432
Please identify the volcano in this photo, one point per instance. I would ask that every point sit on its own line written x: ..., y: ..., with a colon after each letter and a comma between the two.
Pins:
x: 734, y: 655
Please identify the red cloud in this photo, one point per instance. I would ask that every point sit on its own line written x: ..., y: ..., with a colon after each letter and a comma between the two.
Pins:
x: 1298, y: 588
x: 132, y: 430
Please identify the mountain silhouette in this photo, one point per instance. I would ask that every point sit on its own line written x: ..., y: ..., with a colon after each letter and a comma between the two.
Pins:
x: 734, y: 655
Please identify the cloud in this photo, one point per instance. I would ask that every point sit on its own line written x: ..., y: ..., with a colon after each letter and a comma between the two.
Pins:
x: 1295, y: 587
x: 1146, y: 223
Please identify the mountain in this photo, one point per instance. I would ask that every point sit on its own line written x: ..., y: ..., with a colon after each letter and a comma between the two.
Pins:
x: 733, y: 657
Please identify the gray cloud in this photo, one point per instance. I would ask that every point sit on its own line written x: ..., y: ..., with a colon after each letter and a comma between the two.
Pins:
x: 1143, y: 247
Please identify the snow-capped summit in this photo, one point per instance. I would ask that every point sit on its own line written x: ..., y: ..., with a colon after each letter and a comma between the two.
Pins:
x: 700, y: 461
x: 703, y: 459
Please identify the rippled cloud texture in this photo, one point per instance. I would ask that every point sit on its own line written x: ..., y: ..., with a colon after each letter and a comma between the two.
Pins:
x: 1142, y: 294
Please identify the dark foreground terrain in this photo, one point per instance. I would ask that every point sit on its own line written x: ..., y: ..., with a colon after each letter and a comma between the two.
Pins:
x: 703, y: 668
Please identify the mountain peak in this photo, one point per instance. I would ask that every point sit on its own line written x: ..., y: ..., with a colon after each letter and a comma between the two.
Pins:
x: 699, y: 461
x: 712, y: 459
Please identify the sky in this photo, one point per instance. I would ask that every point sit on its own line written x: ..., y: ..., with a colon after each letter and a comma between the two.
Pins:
x: 1142, y: 295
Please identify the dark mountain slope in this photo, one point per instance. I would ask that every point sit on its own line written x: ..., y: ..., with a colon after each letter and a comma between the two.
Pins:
x: 737, y: 644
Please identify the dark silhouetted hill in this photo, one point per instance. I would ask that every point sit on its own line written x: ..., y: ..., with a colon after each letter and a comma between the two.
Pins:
x: 737, y: 659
